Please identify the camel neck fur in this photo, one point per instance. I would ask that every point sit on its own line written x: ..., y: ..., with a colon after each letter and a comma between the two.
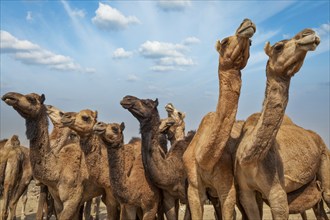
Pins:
x: 118, y: 161
x: 264, y: 133
x: 37, y: 133
x: 229, y: 91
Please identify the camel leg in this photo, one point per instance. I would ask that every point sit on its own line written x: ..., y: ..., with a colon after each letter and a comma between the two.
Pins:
x: 278, y: 202
x: 249, y: 203
x: 151, y: 212
x: 112, y: 206
x: 127, y: 212
x: 24, y: 201
x: 87, y: 209
x: 5, y: 203
x: 196, y: 202
x: 228, y: 201
x: 169, y: 206
x: 96, y: 207
x: 303, y: 216
x: 320, y: 212
x: 22, y: 188
x: 187, y: 213
x: 324, y: 176
x: 71, y: 198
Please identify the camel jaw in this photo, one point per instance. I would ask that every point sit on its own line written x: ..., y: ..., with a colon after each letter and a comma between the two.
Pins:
x: 9, y: 100
x: 309, y: 42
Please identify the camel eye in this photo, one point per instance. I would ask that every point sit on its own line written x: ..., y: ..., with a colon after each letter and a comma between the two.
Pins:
x: 31, y: 100
x: 85, y: 118
x: 115, y: 130
x: 278, y: 47
x: 224, y: 42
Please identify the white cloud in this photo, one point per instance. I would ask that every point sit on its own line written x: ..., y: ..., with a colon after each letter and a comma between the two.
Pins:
x: 323, y: 30
x: 159, y: 68
x: 173, y: 5
x: 30, y: 53
x: 111, y: 19
x: 132, y: 78
x: 29, y: 16
x: 191, y: 40
x: 178, y: 61
x: 78, y: 13
x: 156, y: 49
x: 120, y: 53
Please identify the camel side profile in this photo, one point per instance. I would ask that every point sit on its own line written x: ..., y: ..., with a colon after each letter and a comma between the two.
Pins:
x: 260, y: 166
x: 15, y: 176
x: 96, y: 154
x: 165, y: 171
x: 130, y: 185
x: 65, y: 174
x: 208, y: 158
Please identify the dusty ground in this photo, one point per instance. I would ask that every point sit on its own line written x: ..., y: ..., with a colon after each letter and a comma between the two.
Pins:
x: 33, y: 195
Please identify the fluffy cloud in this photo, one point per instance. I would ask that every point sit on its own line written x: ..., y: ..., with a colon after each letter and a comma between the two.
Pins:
x: 78, y: 13
x: 177, y: 5
x: 30, y: 53
x: 120, y: 53
x: 132, y: 78
x: 191, y: 40
x: 109, y: 18
x: 167, y: 56
x: 323, y: 30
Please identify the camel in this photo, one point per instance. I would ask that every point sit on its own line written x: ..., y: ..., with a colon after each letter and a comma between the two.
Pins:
x: 65, y: 174
x: 130, y: 185
x: 96, y: 154
x: 274, y: 161
x: 208, y: 159
x: 15, y: 176
x: 166, y: 171
x: 59, y: 137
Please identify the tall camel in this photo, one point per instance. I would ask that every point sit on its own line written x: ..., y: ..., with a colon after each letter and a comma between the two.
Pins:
x: 130, y: 185
x: 15, y: 176
x: 65, y: 174
x: 166, y: 171
x: 259, y: 166
x: 96, y: 154
x: 208, y: 159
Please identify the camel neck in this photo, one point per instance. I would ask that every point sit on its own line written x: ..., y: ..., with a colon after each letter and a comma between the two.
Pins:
x: 264, y: 133
x: 89, y: 143
x: 118, y: 179
x: 37, y: 133
x: 229, y: 91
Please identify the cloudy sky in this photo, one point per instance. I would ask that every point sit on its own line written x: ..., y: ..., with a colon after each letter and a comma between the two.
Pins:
x: 90, y: 54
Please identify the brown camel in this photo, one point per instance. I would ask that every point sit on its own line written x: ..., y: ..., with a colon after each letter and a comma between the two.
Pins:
x: 130, y: 185
x: 96, y: 154
x: 208, y: 159
x: 260, y: 166
x: 59, y: 137
x: 15, y: 176
x: 65, y: 174
x: 166, y: 171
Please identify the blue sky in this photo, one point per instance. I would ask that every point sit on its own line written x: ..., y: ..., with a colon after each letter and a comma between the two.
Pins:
x: 90, y: 54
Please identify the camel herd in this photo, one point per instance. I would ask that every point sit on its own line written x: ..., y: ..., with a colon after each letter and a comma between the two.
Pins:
x: 265, y: 159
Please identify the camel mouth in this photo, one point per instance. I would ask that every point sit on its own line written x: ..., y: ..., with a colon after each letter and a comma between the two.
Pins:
x: 169, y: 108
x: 310, y: 42
x: 98, y: 131
x: 9, y: 100
x: 247, y: 32
x: 126, y: 105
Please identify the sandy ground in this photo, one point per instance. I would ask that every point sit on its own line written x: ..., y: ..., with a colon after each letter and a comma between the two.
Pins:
x: 33, y: 195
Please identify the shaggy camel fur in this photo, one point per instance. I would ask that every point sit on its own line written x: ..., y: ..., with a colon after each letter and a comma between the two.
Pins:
x: 65, y: 174
x: 15, y: 176
x: 166, y: 171
x: 96, y: 155
x: 208, y: 159
x: 130, y: 185
x: 260, y: 166
x: 61, y: 136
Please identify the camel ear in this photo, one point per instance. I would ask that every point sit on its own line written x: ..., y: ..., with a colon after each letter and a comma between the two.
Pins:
x: 122, y: 126
x: 268, y: 49
x: 218, y: 46
x: 156, y: 102
x: 42, y: 98
x: 95, y: 113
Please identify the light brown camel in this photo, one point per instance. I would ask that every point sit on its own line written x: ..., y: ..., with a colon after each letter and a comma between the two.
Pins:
x: 166, y: 171
x: 130, y: 185
x: 208, y: 159
x: 96, y: 155
x: 15, y: 176
x: 259, y: 166
x: 65, y: 174
x: 61, y: 136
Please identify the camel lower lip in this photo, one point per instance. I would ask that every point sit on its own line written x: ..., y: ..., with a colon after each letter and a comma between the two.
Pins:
x: 9, y: 101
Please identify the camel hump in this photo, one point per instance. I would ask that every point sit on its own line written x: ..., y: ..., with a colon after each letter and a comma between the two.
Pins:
x: 134, y: 140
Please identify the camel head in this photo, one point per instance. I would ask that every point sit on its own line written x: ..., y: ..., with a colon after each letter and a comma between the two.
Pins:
x: 287, y: 56
x: 141, y: 109
x: 55, y: 115
x: 28, y: 106
x: 235, y: 50
x: 81, y: 122
x: 174, y: 113
x: 166, y: 124
x: 110, y: 133
x: 13, y: 142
